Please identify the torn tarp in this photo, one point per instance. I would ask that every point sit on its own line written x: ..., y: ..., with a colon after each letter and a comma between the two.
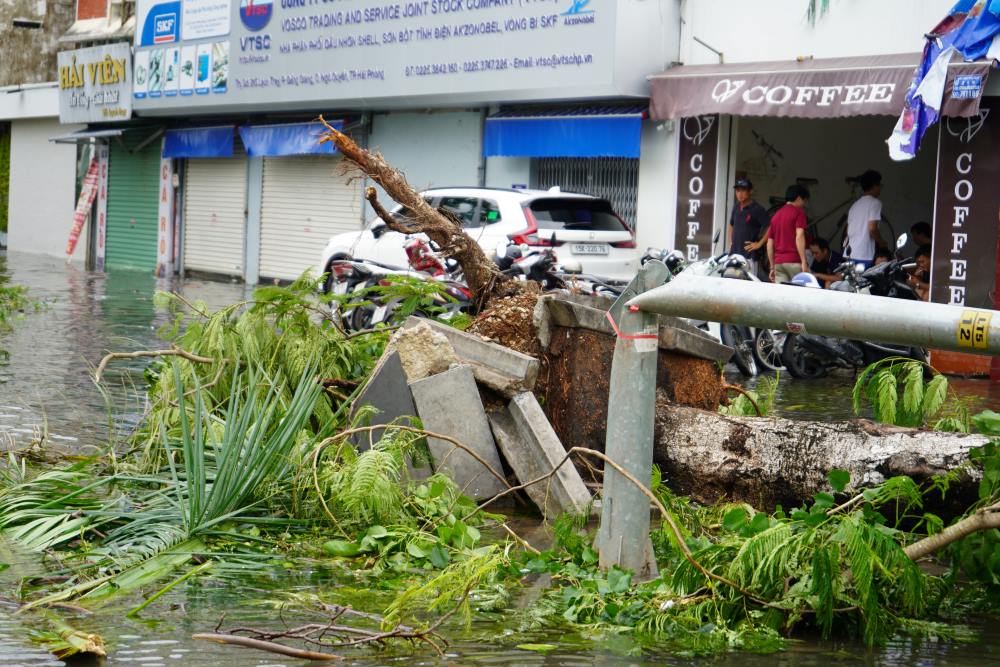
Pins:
x: 970, y: 30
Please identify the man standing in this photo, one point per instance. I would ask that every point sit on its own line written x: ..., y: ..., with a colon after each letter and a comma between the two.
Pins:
x: 746, y: 223
x: 786, y: 238
x: 862, y: 220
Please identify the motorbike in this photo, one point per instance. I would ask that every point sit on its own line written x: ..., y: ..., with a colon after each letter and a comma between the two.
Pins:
x: 810, y: 356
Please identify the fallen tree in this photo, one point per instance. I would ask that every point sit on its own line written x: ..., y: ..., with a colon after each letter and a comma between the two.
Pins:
x: 441, y: 226
x: 769, y: 461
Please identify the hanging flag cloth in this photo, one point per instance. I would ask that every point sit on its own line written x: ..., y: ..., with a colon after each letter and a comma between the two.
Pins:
x: 971, y: 30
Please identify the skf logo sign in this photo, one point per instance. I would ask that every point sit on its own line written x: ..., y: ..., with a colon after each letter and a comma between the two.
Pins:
x: 255, y: 13
x: 166, y: 29
x: 159, y: 22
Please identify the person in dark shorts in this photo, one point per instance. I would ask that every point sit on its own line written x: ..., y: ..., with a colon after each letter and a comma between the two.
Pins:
x: 746, y: 223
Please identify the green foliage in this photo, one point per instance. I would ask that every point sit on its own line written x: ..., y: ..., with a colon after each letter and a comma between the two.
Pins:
x: 404, y: 296
x: 898, y: 394
x: 14, y: 301
x: 4, y: 177
x: 763, y: 395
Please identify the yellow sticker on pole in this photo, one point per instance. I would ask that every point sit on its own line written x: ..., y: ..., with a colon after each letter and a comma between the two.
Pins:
x: 974, y: 329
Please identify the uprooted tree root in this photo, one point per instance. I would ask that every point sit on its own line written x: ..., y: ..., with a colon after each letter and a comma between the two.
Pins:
x: 481, y: 274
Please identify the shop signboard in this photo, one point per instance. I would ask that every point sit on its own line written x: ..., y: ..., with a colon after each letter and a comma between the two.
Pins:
x: 95, y: 84
x: 219, y: 55
x: 698, y: 151
x: 967, y: 209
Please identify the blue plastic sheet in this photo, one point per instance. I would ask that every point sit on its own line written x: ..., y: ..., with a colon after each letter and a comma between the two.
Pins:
x: 199, y: 142
x: 563, y: 136
x: 286, y: 139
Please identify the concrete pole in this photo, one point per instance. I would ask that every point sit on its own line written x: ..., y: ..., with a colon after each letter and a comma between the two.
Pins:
x: 623, y: 536
x: 826, y: 313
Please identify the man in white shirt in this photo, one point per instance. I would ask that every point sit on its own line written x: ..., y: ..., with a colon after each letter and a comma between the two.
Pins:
x: 862, y: 220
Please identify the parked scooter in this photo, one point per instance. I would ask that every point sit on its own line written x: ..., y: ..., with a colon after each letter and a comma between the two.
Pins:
x: 809, y: 356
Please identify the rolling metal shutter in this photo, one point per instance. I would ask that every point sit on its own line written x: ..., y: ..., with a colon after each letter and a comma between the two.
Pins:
x: 215, y: 201
x: 613, y: 178
x: 133, y: 184
x: 305, y: 201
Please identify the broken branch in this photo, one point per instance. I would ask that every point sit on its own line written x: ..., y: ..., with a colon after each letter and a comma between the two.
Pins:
x: 174, y: 352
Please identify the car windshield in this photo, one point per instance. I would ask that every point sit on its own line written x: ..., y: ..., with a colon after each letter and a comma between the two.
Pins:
x: 566, y: 213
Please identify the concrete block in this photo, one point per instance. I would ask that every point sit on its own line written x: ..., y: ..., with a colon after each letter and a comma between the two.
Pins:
x: 387, y: 391
x: 532, y: 449
x: 675, y: 335
x: 422, y: 351
x: 449, y: 404
x: 495, y: 366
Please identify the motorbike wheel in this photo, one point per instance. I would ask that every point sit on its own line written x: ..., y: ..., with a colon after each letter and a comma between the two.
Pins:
x: 767, y: 349
x: 738, y: 337
x: 799, y: 362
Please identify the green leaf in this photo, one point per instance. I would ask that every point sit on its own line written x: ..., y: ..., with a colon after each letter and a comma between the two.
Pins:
x: 415, y: 550
x: 758, y: 524
x: 734, y: 520
x: 377, y: 532
x: 618, y: 580
x: 538, y: 648
x: 838, y: 479
x: 439, y: 557
x: 342, y: 548
x: 934, y: 395
x: 987, y: 422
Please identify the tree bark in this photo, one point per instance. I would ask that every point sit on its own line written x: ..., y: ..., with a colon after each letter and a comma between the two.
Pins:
x: 484, y: 279
x: 770, y: 461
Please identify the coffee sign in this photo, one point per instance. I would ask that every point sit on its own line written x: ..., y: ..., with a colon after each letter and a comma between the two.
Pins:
x: 699, y: 140
x: 95, y: 84
x: 968, y: 205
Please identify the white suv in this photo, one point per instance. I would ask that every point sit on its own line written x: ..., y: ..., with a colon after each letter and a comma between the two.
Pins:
x: 581, y: 227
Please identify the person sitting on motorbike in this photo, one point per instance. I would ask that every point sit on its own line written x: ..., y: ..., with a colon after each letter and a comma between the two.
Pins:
x: 825, y: 260
x: 920, y: 280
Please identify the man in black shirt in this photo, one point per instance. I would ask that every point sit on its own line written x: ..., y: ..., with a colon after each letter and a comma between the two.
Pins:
x: 746, y: 223
x: 825, y: 261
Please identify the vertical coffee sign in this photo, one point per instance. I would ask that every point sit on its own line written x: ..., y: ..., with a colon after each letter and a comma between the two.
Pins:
x: 968, y: 205
x: 95, y: 84
x: 699, y: 140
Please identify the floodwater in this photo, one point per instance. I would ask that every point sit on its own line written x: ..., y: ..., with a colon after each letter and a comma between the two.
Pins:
x: 46, y: 387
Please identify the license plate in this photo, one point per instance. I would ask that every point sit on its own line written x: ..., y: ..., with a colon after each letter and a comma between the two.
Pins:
x: 590, y: 249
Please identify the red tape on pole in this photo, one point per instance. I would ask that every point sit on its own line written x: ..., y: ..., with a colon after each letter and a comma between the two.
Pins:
x: 619, y: 333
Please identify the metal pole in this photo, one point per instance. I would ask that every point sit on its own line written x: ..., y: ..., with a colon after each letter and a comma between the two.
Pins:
x: 623, y: 536
x: 826, y: 312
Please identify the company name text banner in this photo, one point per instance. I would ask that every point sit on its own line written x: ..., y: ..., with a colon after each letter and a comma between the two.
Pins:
x: 95, y: 84
x: 293, y: 52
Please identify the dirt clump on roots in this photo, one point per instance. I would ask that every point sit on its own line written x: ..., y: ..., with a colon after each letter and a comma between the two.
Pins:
x: 689, y: 381
x: 509, y: 322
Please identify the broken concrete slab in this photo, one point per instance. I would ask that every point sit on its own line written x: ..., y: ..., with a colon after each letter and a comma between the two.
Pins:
x: 495, y: 366
x: 675, y: 335
x: 532, y: 449
x: 423, y: 350
x: 388, y: 393
x: 448, y: 403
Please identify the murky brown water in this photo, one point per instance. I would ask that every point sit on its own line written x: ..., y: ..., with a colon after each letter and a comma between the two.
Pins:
x: 46, y: 384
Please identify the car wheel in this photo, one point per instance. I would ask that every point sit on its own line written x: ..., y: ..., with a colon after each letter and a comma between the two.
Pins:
x: 738, y: 337
x: 800, y: 362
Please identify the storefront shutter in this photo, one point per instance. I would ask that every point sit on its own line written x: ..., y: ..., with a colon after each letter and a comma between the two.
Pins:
x: 615, y: 179
x: 215, y: 214
x: 305, y: 201
x: 133, y: 184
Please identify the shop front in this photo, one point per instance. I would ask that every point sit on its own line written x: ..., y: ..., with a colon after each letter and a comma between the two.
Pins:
x: 821, y: 123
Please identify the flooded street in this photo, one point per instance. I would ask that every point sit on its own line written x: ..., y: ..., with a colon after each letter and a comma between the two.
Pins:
x: 46, y: 386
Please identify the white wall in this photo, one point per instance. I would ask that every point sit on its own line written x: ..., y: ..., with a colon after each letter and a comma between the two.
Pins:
x: 656, y: 208
x: 758, y: 30
x: 505, y: 172
x: 433, y: 149
x: 42, y: 189
x: 830, y: 150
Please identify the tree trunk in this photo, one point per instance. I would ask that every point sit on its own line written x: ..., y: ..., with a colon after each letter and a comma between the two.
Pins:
x: 481, y: 273
x: 769, y: 461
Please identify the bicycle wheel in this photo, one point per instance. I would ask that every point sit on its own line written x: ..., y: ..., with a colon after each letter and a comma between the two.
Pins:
x: 738, y: 337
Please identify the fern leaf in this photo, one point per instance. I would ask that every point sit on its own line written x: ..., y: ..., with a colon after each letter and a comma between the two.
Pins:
x: 913, y: 392
x: 934, y: 396
x: 885, y: 392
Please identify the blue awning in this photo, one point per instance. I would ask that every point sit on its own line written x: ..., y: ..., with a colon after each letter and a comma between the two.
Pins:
x: 287, y: 139
x: 590, y: 132
x: 199, y: 142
